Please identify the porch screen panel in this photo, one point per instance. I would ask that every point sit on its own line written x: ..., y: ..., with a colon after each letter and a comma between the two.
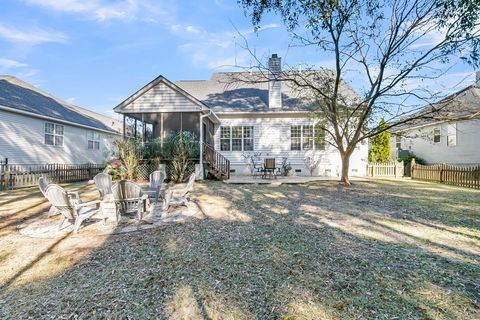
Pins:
x: 296, y: 137
x: 236, y: 138
x: 307, y: 138
x: 248, y: 138
x: 225, y: 138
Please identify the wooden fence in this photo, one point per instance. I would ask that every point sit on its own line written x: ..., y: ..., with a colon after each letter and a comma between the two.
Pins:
x: 462, y: 176
x: 26, y: 175
x: 387, y: 169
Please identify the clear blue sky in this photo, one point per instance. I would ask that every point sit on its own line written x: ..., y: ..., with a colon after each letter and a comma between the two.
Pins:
x: 95, y: 53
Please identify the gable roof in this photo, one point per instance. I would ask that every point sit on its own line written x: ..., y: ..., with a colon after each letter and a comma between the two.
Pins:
x: 19, y: 96
x: 158, y: 80
x: 461, y: 105
x: 247, y: 92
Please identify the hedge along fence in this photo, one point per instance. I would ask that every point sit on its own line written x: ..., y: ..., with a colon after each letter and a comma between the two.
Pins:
x: 14, y: 176
x: 462, y: 176
x: 386, y: 169
x: 146, y: 167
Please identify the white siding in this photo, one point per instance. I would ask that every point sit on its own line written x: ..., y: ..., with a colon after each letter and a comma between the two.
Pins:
x: 161, y: 98
x: 272, y: 139
x: 467, y: 150
x: 22, y: 141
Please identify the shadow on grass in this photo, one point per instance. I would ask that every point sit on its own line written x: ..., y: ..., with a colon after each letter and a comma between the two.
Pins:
x: 253, y: 259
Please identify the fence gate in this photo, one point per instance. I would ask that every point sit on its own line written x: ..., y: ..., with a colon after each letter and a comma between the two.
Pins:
x: 385, y: 169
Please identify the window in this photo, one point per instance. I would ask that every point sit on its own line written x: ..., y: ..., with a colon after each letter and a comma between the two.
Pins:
x: 237, y: 138
x: 93, y: 140
x: 307, y: 141
x: 398, y: 141
x: 296, y: 137
x: 452, y: 135
x: 306, y: 138
x: 319, y: 138
x: 436, y: 135
x: 225, y: 138
x: 248, y: 138
x: 53, y: 134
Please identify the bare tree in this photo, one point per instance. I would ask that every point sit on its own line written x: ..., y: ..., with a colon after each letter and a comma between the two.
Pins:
x: 390, y: 44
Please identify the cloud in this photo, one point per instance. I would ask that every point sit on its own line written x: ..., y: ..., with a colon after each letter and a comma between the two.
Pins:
x: 216, y: 49
x: 32, y: 35
x: 104, y: 11
x: 11, y: 64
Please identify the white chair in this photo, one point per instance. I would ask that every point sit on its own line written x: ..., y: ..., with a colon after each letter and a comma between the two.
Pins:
x: 74, y: 196
x: 156, y: 183
x: 103, y: 183
x: 128, y: 197
x: 59, y: 198
x: 179, y: 196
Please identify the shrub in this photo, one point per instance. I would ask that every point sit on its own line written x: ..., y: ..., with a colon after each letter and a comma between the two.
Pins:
x: 407, y: 159
x: 380, y: 148
x: 312, y: 161
x: 130, y: 152
x: 153, y: 150
x: 287, y: 167
x: 181, y: 147
x: 116, y: 169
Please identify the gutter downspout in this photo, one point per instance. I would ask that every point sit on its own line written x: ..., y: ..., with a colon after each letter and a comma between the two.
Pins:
x: 202, y: 175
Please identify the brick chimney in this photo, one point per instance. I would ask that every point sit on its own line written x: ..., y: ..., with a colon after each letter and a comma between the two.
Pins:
x: 477, y: 79
x: 274, y: 82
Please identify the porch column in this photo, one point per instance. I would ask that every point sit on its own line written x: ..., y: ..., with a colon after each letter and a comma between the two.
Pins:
x: 124, y: 126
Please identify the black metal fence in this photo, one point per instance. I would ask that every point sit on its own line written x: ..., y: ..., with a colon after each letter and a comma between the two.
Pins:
x: 14, y: 176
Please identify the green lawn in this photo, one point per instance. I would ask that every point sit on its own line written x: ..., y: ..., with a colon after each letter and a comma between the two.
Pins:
x: 380, y: 249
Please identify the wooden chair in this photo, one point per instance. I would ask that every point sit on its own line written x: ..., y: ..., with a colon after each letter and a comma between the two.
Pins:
x: 179, y: 196
x: 74, y: 196
x: 103, y: 183
x: 60, y: 199
x: 156, y: 183
x: 128, y: 198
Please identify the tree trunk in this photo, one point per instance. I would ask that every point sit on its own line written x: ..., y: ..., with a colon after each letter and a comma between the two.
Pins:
x: 345, y: 179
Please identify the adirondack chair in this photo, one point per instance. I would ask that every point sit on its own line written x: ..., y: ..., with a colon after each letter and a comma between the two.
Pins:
x: 128, y: 197
x: 59, y: 198
x: 156, y: 183
x: 103, y: 182
x: 179, y: 196
x: 74, y: 196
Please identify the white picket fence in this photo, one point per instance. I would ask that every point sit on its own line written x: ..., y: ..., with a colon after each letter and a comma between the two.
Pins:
x: 385, y: 169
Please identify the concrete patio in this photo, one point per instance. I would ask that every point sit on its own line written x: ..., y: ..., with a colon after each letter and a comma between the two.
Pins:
x: 248, y: 179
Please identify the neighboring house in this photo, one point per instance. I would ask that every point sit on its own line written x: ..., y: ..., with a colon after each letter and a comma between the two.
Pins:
x: 240, y: 117
x: 37, y: 128
x: 451, y: 134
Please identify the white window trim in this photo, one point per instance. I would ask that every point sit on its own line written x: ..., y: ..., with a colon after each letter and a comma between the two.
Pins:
x: 452, y: 125
x: 398, y: 141
x: 242, y: 138
x: 439, y: 129
x: 314, y: 146
x: 54, y: 134
x: 93, y: 140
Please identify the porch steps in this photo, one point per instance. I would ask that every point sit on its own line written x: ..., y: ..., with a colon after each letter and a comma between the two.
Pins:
x: 216, y: 164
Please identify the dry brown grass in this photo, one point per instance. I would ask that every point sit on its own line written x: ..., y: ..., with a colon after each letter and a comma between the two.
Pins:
x: 380, y: 249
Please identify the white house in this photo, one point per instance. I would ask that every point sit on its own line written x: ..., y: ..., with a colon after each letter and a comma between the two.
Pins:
x: 237, y: 118
x: 37, y: 128
x: 449, y: 135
